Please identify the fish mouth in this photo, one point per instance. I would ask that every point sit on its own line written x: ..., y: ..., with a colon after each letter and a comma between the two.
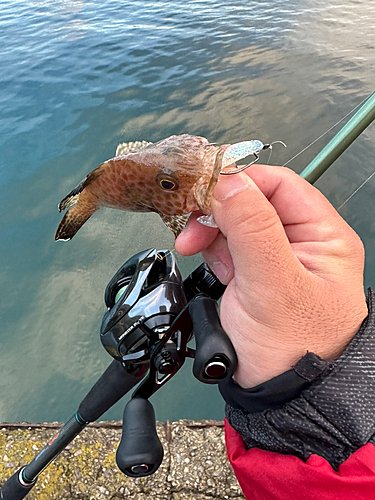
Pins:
x: 203, y: 195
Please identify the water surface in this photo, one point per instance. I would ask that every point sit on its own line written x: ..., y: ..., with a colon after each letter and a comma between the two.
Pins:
x: 77, y: 78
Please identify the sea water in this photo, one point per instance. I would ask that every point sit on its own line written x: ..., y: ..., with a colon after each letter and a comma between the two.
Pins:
x: 76, y: 78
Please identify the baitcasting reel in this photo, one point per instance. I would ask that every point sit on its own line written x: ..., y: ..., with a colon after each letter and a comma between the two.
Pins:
x: 152, y: 315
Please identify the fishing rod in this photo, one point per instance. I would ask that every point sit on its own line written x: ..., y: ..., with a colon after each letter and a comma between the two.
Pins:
x: 316, y: 168
x: 341, y: 141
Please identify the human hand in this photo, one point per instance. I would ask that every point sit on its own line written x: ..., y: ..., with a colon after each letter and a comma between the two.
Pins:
x: 293, y: 266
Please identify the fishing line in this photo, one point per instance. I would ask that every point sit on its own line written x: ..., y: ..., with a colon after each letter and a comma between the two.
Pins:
x: 174, y: 252
x: 327, y: 131
x: 269, y: 158
x: 355, y: 192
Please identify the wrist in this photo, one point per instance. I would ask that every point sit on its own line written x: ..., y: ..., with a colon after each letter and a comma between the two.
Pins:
x: 278, y: 391
x: 267, y: 350
x: 333, y: 417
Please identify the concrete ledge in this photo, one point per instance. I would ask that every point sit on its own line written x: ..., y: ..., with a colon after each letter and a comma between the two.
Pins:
x: 195, y: 466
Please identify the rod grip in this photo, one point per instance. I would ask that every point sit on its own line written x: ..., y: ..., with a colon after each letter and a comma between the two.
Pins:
x: 110, y: 388
x: 215, y: 358
x: 140, y: 451
x: 12, y: 489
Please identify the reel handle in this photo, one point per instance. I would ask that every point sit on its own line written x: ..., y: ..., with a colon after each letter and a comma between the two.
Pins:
x: 13, y: 489
x: 215, y: 357
x: 140, y: 451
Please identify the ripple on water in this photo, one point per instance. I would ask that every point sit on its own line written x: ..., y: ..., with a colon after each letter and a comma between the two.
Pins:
x: 80, y: 76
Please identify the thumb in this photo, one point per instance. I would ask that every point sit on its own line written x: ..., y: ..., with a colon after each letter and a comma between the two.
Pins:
x: 256, y: 238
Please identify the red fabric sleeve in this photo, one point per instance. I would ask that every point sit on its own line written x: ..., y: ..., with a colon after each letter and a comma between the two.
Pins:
x: 265, y: 475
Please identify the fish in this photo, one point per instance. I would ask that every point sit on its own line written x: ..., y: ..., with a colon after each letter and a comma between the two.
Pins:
x: 172, y: 178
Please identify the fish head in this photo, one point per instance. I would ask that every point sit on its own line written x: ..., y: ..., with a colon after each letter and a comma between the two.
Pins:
x: 175, y: 176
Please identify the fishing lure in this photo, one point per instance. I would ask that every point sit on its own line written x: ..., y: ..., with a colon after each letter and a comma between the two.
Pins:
x: 232, y: 154
x: 242, y: 149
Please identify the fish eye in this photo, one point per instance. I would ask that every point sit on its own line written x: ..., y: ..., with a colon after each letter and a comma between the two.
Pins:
x: 167, y: 182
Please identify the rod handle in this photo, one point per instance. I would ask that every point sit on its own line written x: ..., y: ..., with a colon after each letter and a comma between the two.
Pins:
x: 110, y: 388
x: 13, y: 489
x: 140, y: 451
x: 215, y: 357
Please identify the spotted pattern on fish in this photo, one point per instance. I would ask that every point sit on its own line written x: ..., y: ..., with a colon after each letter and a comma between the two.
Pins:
x: 172, y: 177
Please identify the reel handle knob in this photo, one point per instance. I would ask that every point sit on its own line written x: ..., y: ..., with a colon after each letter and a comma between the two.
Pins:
x: 215, y: 357
x: 140, y: 451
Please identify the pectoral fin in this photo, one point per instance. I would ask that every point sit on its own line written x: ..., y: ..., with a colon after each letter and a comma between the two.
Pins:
x: 81, y: 204
x: 74, y: 196
x: 74, y: 218
x: 176, y: 223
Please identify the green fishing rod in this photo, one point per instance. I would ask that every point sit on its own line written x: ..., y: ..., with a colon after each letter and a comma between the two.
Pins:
x: 341, y: 141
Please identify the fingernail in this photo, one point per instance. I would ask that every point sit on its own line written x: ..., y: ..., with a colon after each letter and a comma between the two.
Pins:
x: 207, y: 220
x: 230, y: 185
